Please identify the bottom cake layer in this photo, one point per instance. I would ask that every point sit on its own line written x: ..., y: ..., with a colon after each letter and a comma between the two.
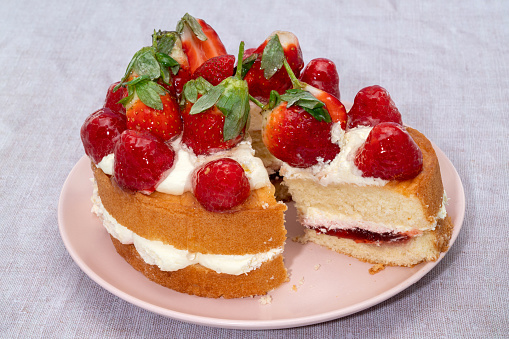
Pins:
x: 425, y: 247
x: 204, y: 282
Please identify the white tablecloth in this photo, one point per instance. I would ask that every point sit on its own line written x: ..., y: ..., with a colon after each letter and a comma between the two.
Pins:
x: 445, y: 65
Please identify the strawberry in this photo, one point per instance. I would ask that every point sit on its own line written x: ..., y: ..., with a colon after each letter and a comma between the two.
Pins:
x: 100, y: 132
x: 220, y: 185
x: 113, y: 97
x: 296, y: 137
x: 389, y: 153
x: 142, y: 161
x: 200, y: 41
x: 322, y: 74
x: 215, y: 117
x: 373, y: 105
x: 336, y: 109
x: 216, y: 69
x: 264, y: 66
x: 165, y: 123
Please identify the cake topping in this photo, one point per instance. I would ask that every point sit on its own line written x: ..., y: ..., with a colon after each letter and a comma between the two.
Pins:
x: 297, y: 125
x: 371, y: 106
x: 221, y: 185
x: 215, y: 117
x: 200, y: 41
x: 322, y: 74
x: 100, y: 131
x: 141, y: 161
x: 216, y: 69
x: 264, y: 65
x: 113, y: 98
x: 389, y: 153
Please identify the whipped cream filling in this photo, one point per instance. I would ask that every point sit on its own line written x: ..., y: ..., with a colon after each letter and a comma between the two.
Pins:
x: 325, y: 221
x: 179, y: 177
x: 169, y: 258
x: 342, y: 168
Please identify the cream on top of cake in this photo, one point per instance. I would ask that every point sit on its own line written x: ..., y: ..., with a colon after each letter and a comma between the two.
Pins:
x: 179, y: 178
x: 169, y: 258
x: 342, y: 168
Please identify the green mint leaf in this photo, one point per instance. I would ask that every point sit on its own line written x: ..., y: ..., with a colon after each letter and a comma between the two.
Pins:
x: 272, y: 57
x: 207, y: 100
x: 150, y: 94
x: 193, y: 24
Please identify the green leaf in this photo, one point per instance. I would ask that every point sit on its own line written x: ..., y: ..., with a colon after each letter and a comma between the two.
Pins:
x: 146, y: 64
x: 194, y: 87
x: 248, y: 63
x: 207, y: 100
x: 163, y: 41
x: 234, y: 103
x: 274, y: 100
x: 273, y: 57
x: 308, y: 102
x: 193, y: 24
x: 168, y: 62
x: 150, y: 94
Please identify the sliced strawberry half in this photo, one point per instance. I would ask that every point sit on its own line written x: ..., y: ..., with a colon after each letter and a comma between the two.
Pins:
x: 142, y: 161
x: 389, y: 153
x: 221, y: 185
x: 200, y: 41
x: 264, y: 65
x: 373, y: 105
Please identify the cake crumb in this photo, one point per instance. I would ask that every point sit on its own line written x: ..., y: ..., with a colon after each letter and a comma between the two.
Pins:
x: 266, y: 300
x: 294, y: 288
x: 317, y: 267
x: 376, y: 268
x: 301, y: 281
x: 265, y: 205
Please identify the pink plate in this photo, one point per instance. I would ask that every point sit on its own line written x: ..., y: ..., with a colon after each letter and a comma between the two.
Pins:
x: 324, y: 285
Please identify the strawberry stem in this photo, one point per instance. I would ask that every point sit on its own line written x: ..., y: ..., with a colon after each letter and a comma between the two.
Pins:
x: 296, y: 83
x: 256, y: 102
x: 238, y: 74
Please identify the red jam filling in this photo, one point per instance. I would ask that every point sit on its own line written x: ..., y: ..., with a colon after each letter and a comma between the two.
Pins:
x: 367, y: 237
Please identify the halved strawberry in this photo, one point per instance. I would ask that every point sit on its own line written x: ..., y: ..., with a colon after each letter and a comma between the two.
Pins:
x: 221, y: 185
x: 322, y: 74
x: 200, y: 41
x: 216, y: 69
x: 373, y: 105
x: 165, y: 123
x: 265, y: 73
x: 389, y: 153
x: 142, y: 161
x: 100, y: 132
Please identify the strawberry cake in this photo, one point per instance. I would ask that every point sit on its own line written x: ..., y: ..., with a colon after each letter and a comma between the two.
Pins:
x: 195, y: 150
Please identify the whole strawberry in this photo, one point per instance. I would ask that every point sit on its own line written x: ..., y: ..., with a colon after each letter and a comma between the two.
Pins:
x: 165, y: 123
x: 322, y: 74
x: 264, y: 72
x: 373, y: 105
x: 389, y: 153
x: 220, y: 185
x: 142, y: 161
x: 216, y: 69
x: 296, y: 137
x: 215, y: 117
x: 114, y: 96
x: 100, y: 132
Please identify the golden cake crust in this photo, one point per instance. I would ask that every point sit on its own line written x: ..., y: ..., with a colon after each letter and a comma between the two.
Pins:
x: 255, y: 226
x: 201, y: 281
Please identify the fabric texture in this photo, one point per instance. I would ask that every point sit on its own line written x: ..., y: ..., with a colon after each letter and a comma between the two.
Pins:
x: 445, y: 65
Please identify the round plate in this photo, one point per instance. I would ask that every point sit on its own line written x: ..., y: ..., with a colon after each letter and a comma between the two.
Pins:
x: 324, y: 285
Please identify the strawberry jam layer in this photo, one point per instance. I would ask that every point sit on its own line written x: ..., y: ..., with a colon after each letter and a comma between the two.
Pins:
x: 363, y: 236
